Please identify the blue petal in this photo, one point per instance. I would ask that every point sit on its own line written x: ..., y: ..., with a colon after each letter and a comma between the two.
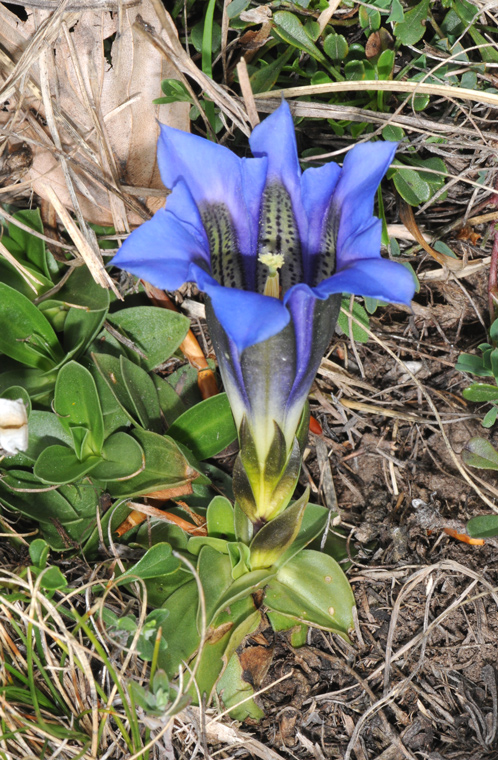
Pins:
x: 275, y: 138
x: 162, y: 251
x: 375, y: 278
x: 354, y: 195
x: 214, y: 175
x: 246, y: 317
x: 181, y: 204
x: 317, y: 186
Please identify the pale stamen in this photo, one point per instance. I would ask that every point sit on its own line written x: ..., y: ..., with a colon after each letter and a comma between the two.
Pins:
x: 274, y: 262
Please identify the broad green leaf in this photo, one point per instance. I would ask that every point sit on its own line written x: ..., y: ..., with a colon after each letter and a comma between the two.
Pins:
x: 313, y: 524
x: 472, y: 364
x: 266, y: 76
x: 412, y: 188
x: 170, y: 402
x: 490, y: 417
x: 52, y: 579
x: 133, y: 389
x: 393, y: 133
x: 412, y: 29
x: 80, y: 328
x: 274, y: 538
x: 38, y: 552
x: 236, y: 7
x: 26, y: 247
x: 483, y: 526
x: 234, y: 690
x: 480, y: 453
x: 397, y: 13
x: 157, y: 561
x: 313, y: 589
x: 207, y: 428
x: 142, y: 393
x: 385, y: 64
x: 36, y: 382
x: 165, y: 467
x: 10, y: 276
x: 336, y: 47
x: 26, y: 335
x: 76, y: 402
x: 220, y: 519
x: 80, y: 289
x: 487, y: 51
x: 369, y: 19
x: 64, y: 515
x: 215, y: 573
x: 354, y: 71
x: 291, y: 30
x: 156, y: 332
x: 180, y: 629
x: 360, y: 314
x: 60, y: 465
x: 281, y: 622
x: 122, y: 458
x: 481, y: 392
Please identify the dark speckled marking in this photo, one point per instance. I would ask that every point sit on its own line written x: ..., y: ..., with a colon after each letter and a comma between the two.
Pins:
x: 226, y: 265
x: 326, y: 263
x: 278, y: 233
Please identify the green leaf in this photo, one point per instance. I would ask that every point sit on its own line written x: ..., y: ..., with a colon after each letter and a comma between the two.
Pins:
x: 354, y: 71
x: 486, y: 50
x: 266, y: 76
x: 360, y: 314
x: 412, y: 29
x: 26, y: 335
x: 235, y: 691
x: 156, y: 332
x: 207, y: 428
x: 313, y: 524
x: 24, y: 246
x: 483, y: 526
x: 180, y: 629
x: 142, y: 393
x: 170, y: 402
x: 397, y: 13
x: 481, y: 392
x: 60, y: 465
x: 236, y: 7
x: 174, y: 91
x: 220, y: 519
x: 132, y: 388
x: 490, y: 417
x: 63, y: 515
x: 52, y: 579
x: 385, y: 66
x: 122, y: 458
x: 274, y: 538
x: 77, y: 404
x: 369, y: 19
x: 393, y: 133
x: 480, y: 453
x: 336, y: 47
x: 412, y: 188
x: 156, y: 562
x: 165, y: 467
x: 472, y: 364
x: 313, y: 589
x: 38, y: 552
x: 291, y: 30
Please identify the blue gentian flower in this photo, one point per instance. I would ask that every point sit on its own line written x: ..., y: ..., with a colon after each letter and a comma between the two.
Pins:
x: 273, y: 248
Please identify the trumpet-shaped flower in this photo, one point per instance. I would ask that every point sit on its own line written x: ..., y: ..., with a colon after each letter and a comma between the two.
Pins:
x: 273, y: 248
